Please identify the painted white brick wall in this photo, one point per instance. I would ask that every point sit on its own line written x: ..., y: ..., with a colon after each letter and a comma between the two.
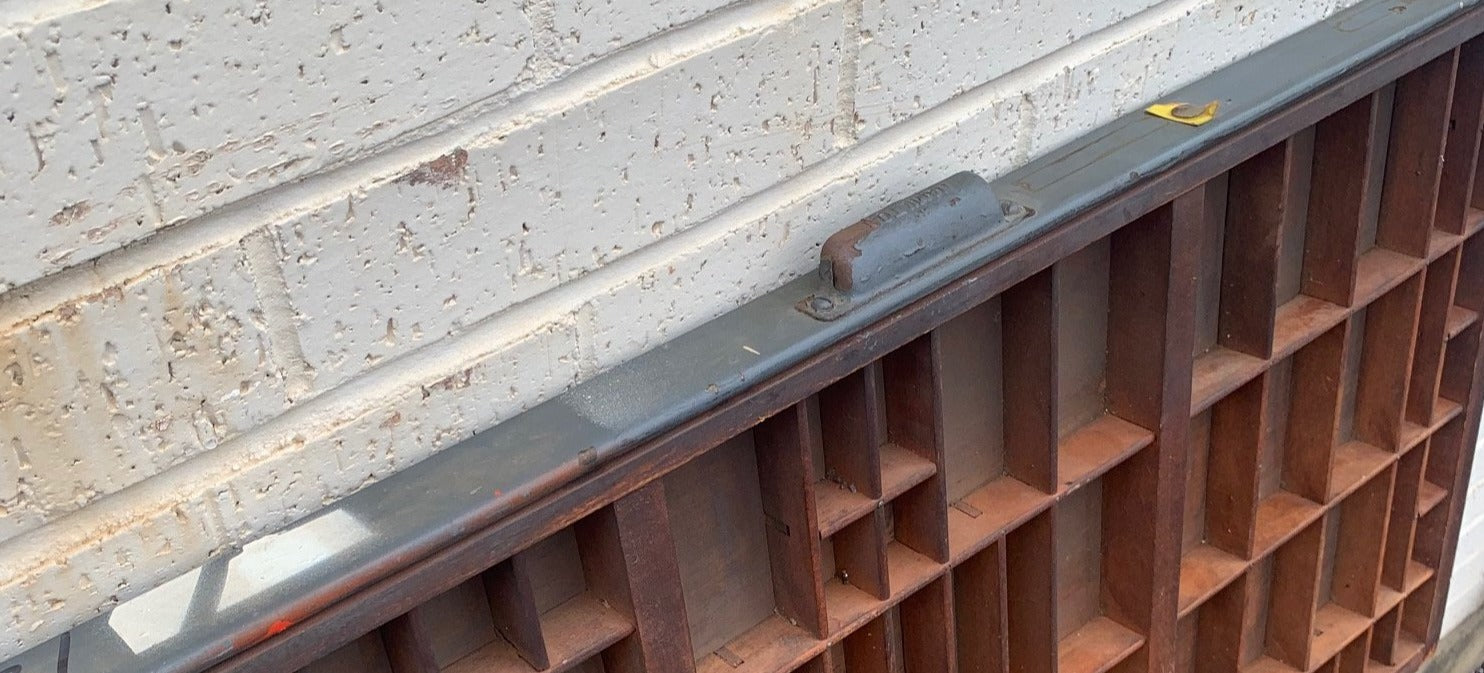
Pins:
x: 264, y: 253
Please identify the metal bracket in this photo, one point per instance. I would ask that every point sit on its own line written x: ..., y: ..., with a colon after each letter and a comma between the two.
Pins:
x: 893, y: 245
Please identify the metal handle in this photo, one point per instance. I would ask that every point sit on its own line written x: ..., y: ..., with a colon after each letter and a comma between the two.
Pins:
x: 888, y: 247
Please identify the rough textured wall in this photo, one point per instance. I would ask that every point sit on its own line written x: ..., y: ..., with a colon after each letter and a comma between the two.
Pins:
x: 260, y: 254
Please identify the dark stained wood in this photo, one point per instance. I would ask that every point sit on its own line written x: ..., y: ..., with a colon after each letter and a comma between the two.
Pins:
x: 980, y: 612
x: 1337, y: 200
x: 1315, y: 406
x: 1415, y: 156
x: 928, y: 629
x: 1238, y: 424
x: 853, y: 415
x: 1418, y: 612
x: 513, y: 607
x: 1259, y: 195
x: 1456, y: 186
x: 1432, y: 324
x: 714, y: 507
x: 914, y: 412
x: 1031, y: 598
x: 1152, y: 282
x: 1221, y: 629
x: 1459, y: 365
x: 876, y: 647
x: 1386, y: 638
x: 1445, y: 455
x: 630, y: 562
x: 1356, y: 583
x: 1469, y: 293
x: 1030, y: 313
x: 1399, y: 532
x: 1294, y: 597
x: 785, y: 475
x: 1390, y: 331
x: 409, y: 648
x: 860, y: 555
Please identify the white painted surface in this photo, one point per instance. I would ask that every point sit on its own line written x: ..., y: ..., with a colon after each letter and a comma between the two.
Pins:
x: 261, y: 254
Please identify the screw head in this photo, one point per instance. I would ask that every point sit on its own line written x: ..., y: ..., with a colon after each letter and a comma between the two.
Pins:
x: 821, y: 304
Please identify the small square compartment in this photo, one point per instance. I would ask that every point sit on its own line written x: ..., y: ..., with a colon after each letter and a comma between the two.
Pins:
x: 744, y: 571
x: 1094, y: 536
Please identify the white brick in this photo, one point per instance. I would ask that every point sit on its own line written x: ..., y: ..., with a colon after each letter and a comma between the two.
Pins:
x: 413, y: 259
x: 205, y: 103
x: 105, y: 392
x: 58, y: 205
x: 915, y: 54
x: 589, y: 28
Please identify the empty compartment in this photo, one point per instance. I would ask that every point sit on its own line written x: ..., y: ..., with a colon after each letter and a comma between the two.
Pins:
x: 554, y: 606
x: 1205, y: 567
x: 1098, y: 617
x: 745, y: 548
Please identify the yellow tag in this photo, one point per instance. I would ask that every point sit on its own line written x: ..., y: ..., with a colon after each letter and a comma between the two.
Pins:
x: 1185, y: 113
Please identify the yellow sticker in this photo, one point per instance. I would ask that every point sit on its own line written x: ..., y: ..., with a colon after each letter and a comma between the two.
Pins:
x: 1185, y: 113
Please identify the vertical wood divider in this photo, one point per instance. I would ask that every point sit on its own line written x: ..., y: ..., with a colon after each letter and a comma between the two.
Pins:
x: 928, y: 628
x: 1294, y: 596
x: 1030, y: 553
x: 1399, y: 532
x: 874, y: 648
x: 1315, y: 409
x: 1457, y: 379
x: 1417, y: 610
x: 1362, y: 545
x: 853, y: 417
x: 1337, y: 197
x: 507, y: 589
x: 1414, y: 157
x: 1456, y: 189
x: 860, y: 554
x: 1386, y: 637
x: 1260, y: 191
x: 1445, y: 451
x: 1432, y: 321
x: 1469, y: 290
x: 409, y: 648
x: 1222, y: 629
x: 1355, y: 655
x: 981, y: 613
x: 630, y: 562
x: 1238, y: 426
x: 1030, y: 334
x: 1153, y: 265
x: 914, y: 413
x: 786, y: 476
x: 1386, y: 358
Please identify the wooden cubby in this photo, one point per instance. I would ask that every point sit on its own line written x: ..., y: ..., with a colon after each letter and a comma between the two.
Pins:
x: 1226, y: 432
x: 570, y: 602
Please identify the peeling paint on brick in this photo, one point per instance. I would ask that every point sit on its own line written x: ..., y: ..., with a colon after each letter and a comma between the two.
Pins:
x: 446, y: 171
